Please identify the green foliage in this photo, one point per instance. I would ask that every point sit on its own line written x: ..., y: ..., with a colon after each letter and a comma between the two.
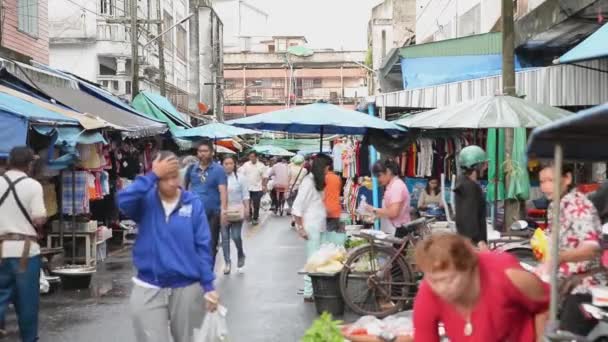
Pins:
x: 324, y: 329
x: 369, y: 61
x: 354, y: 242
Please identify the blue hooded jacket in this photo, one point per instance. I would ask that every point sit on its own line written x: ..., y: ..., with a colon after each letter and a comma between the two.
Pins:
x: 169, y: 253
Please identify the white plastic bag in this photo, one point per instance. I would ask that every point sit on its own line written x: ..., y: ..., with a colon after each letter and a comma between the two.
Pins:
x: 44, y: 284
x: 328, y: 259
x: 214, y: 328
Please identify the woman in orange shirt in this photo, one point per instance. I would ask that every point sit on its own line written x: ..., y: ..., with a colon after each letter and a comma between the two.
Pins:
x: 333, y: 186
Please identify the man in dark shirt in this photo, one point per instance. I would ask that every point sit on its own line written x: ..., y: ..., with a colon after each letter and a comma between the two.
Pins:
x: 470, y: 202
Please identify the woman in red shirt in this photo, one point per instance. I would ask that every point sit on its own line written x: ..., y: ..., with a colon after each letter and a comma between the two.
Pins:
x: 479, y: 297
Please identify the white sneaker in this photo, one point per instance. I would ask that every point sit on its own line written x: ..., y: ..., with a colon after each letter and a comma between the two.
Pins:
x: 240, y: 270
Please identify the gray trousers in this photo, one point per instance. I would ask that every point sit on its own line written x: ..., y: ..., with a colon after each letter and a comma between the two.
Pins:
x: 159, y: 314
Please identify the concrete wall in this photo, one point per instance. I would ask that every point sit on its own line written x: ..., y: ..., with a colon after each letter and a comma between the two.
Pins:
x: 446, y: 19
x: 35, y: 47
x: 244, y: 25
x: 80, y: 60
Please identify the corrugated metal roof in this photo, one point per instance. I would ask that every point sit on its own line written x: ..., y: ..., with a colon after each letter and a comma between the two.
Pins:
x: 481, y: 44
x: 560, y: 86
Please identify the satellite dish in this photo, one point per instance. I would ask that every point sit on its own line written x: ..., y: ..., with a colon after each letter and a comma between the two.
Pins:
x: 203, y: 108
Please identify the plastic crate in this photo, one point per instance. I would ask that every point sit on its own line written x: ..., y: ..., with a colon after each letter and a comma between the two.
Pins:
x: 327, y: 294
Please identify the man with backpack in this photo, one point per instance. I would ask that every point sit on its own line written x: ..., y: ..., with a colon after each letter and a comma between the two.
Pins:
x: 207, y: 179
x: 22, y: 211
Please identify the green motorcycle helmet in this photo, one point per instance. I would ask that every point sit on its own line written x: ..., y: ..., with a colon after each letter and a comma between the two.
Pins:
x: 472, y: 155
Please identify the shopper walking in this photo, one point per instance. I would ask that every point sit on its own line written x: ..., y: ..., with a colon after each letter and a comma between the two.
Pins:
x: 395, y: 210
x: 310, y: 213
x: 296, y: 174
x: 333, y: 187
x: 279, y: 173
x: 22, y: 211
x: 238, y: 211
x: 172, y: 255
x: 207, y: 179
x: 253, y: 172
x: 470, y: 203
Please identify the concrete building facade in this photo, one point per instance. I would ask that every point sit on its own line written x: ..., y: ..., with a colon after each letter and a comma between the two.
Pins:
x: 258, y: 82
x: 86, y: 40
x: 391, y: 25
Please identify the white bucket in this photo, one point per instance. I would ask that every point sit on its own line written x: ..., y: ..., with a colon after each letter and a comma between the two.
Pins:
x: 600, y: 295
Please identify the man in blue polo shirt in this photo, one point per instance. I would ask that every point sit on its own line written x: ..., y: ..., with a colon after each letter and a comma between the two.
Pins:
x: 207, y: 179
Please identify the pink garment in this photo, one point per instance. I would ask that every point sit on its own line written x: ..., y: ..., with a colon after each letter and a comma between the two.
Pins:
x: 280, y: 171
x: 396, y: 191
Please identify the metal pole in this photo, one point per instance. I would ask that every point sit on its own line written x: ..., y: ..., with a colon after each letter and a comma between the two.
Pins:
x: 373, y: 156
x: 557, y: 175
x: 508, y: 88
x: 74, y: 215
x: 194, y: 79
x: 161, y: 50
x: 134, y: 51
x: 496, y: 179
x: 61, y: 223
x: 321, y: 140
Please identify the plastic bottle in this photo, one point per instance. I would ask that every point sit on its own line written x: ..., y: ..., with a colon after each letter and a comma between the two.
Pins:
x: 362, y: 208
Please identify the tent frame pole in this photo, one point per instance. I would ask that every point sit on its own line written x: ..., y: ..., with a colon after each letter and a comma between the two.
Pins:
x: 321, y: 140
x: 557, y: 174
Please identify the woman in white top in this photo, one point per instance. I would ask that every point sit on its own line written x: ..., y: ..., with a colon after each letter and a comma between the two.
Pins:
x: 310, y: 213
x: 431, y: 196
x: 238, y: 201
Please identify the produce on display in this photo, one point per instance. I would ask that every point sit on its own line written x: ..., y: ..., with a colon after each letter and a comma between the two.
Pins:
x: 324, y: 329
x: 370, y: 328
x: 328, y: 259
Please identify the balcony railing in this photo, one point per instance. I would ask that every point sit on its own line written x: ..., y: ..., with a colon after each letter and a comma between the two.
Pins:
x: 279, y: 94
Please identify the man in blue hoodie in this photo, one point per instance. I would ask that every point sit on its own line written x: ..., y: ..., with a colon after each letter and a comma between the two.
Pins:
x: 172, y: 255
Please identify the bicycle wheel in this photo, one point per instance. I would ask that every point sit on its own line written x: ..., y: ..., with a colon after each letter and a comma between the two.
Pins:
x: 371, y: 287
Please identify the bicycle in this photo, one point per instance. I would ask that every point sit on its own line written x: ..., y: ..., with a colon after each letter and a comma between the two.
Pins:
x: 380, y: 278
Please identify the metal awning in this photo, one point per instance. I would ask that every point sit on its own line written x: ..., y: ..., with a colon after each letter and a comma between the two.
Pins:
x: 135, y: 126
x: 558, y: 86
x: 595, y: 46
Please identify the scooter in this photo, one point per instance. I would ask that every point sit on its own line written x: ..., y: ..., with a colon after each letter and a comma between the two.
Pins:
x: 598, y: 334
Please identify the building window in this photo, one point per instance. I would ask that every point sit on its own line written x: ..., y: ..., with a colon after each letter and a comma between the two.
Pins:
x: 128, y: 87
x: 317, y: 83
x: 182, y: 36
x: 168, y: 22
x: 230, y: 84
x: 115, y: 85
x: 271, y: 48
x: 28, y: 16
x: 106, y: 7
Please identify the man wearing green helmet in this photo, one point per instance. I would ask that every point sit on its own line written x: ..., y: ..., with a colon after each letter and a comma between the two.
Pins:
x: 470, y: 202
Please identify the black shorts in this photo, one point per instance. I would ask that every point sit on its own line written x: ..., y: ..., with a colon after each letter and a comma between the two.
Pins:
x: 572, y: 318
x: 333, y: 224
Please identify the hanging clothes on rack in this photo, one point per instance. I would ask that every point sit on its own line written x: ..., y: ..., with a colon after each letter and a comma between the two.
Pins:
x: 80, y: 200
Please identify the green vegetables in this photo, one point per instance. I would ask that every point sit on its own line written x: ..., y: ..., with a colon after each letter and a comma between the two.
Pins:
x: 354, y: 242
x: 324, y: 329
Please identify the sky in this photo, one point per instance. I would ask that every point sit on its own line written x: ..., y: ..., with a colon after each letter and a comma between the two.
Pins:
x: 337, y: 24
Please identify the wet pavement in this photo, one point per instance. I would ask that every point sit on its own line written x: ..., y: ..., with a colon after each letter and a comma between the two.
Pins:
x: 263, y: 303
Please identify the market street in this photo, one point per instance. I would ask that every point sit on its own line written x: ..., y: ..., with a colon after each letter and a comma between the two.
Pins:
x: 263, y: 304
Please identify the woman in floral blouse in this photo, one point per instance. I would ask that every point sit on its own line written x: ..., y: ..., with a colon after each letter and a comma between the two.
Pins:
x: 580, y: 232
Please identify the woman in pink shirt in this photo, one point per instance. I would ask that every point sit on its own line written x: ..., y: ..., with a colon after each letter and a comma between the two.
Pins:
x: 396, y: 202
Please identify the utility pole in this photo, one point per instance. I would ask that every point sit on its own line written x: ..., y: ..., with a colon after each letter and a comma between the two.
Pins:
x: 512, y: 207
x: 134, y: 51
x: 161, y: 50
x: 195, y: 61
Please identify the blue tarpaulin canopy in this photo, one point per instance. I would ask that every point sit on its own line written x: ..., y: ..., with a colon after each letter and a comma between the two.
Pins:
x: 428, y: 71
x: 582, y: 136
x: 317, y: 118
x: 214, y: 130
x: 72, y: 135
x: 15, y: 114
x: 595, y: 46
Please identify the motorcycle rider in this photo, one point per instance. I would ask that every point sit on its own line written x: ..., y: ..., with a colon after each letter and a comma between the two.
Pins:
x: 470, y: 202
